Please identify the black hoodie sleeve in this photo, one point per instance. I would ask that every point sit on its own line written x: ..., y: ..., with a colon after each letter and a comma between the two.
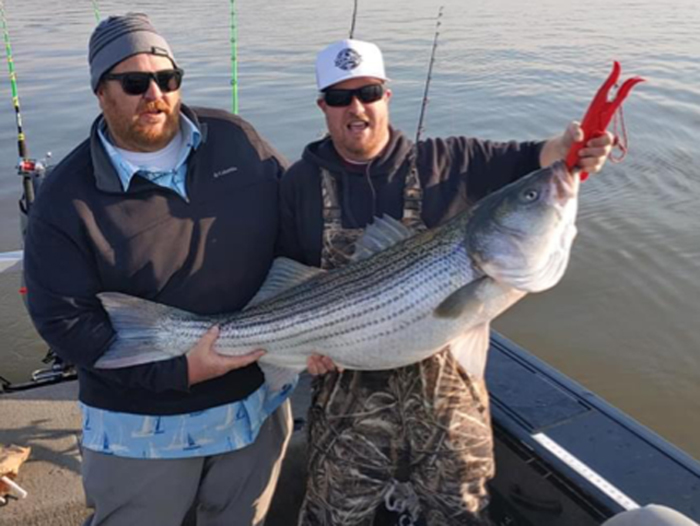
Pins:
x: 301, y: 221
x: 483, y: 166
x: 456, y: 172
x: 493, y: 165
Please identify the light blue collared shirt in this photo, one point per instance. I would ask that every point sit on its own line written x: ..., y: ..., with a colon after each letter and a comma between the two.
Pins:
x: 173, y: 179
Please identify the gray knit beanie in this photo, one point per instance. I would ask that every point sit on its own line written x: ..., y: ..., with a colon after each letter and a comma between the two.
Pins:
x: 119, y: 37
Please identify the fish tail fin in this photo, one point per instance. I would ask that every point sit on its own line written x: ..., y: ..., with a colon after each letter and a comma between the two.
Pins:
x: 140, y: 325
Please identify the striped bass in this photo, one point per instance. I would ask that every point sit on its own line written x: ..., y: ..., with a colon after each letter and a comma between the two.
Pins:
x: 403, y: 298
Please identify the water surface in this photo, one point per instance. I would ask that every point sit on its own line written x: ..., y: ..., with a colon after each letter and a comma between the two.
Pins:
x: 623, y: 320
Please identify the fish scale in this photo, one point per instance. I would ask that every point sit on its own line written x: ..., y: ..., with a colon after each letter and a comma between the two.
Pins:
x: 369, y: 279
x: 354, y: 314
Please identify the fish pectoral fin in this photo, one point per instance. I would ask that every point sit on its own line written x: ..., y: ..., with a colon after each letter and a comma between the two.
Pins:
x: 462, y: 300
x: 284, y: 274
x: 278, y: 378
x: 383, y: 233
x: 471, y: 348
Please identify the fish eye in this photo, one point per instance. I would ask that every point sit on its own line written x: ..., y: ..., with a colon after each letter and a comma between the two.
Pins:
x: 529, y: 195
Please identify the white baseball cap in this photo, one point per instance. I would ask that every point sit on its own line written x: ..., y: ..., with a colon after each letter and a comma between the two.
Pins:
x: 348, y: 59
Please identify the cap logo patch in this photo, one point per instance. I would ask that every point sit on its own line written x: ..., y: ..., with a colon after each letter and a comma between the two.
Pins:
x: 155, y: 50
x: 348, y: 59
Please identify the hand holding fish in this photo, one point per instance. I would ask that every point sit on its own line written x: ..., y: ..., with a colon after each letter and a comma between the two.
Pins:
x: 204, y: 363
x: 317, y: 364
x: 592, y: 157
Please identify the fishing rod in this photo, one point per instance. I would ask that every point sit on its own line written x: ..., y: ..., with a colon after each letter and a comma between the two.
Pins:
x: 32, y: 173
x: 26, y: 167
x: 415, y: 195
x: 96, y: 9
x: 31, y: 170
x: 424, y: 104
x: 354, y: 19
x: 234, y: 59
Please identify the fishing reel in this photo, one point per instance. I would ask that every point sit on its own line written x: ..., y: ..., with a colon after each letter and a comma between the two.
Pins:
x: 32, y: 166
x: 32, y: 173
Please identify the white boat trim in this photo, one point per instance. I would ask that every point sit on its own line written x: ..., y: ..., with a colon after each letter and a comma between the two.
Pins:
x: 11, y: 261
x: 587, y: 472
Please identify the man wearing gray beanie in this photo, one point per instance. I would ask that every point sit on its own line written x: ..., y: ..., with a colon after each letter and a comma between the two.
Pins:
x: 177, y: 205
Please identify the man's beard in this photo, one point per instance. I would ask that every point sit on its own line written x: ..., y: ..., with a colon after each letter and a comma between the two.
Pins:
x: 145, y: 137
x: 365, y: 149
x: 152, y: 137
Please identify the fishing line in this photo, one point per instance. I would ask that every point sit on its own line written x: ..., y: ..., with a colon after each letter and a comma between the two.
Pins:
x: 96, y: 9
x: 234, y: 59
x: 354, y: 19
x: 413, y: 178
x: 424, y: 104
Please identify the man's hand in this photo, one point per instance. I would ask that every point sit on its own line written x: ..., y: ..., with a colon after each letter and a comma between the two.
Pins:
x: 592, y: 156
x: 317, y: 364
x: 204, y: 363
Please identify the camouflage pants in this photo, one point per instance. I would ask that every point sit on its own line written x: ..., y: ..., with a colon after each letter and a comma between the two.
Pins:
x: 417, y: 440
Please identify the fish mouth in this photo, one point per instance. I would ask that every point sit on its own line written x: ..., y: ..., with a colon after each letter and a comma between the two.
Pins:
x: 566, y: 183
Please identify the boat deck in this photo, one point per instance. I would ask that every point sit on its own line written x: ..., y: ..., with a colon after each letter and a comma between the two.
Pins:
x: 48, y: 420
x: 564, y: 456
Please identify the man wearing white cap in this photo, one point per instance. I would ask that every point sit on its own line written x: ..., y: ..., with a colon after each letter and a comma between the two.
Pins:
x: 413, y: 443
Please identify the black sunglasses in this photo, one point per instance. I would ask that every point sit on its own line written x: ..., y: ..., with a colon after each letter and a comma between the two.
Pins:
x: 138, y: 82
x: 343, y: 97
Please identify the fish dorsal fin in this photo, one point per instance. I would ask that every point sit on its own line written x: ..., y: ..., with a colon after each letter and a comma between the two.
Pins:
x: 277, y: 377
x: 383, y: 233
x: 284, y: 274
